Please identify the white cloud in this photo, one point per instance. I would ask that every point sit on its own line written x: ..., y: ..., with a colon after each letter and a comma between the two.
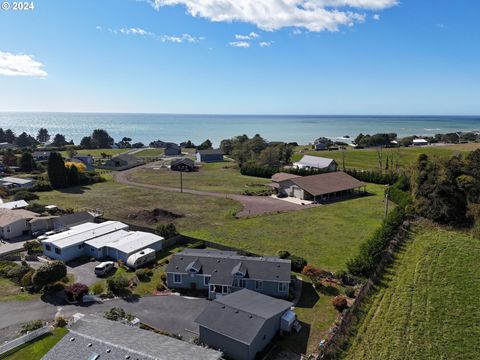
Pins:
x: 136, y: 31
x: 241, y: 44
x: 20, y: 65
x: 252, y: 35
x: 376, y: 17
x: 297, y: 32
x: 265, y: 43
x: 269, y: 15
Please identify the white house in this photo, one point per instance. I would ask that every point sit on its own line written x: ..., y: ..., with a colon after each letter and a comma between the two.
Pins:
x: 420, y: 142
x: 309, y: 162
x: 110, y: 239
x: 20, y: 204
x: 15, y: 182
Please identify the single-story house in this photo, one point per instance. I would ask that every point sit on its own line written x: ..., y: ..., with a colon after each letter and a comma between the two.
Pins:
x: 65, y: 222
x: 223, y: 272
x: 120, y: 245
x: 122, y: 162
x: 320, y: 146
x: 183, y: 164
x: 15, y: 182
x: 19, y: 204
x: 41, y: 155
x: 309, y: 162
x: 70, y: 244
x: 321, y: 187
x: 93, y: 337
x: 243, y: 323
x: 172, y: 149
x: 86, y: 159
x: 14, y: 223
x: 110, y: 239
x: 211, y: 155
x: 41, y: 223
x: 420, y: 142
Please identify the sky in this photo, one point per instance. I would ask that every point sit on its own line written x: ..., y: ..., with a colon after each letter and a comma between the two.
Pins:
x: 322, y: 57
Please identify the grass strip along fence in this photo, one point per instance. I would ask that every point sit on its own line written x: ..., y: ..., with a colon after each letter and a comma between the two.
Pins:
x: 370, y: 262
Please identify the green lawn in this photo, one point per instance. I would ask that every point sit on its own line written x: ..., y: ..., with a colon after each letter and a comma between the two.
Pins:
x: 153, y: 152
x: 10, y: 291
x: 97, y: 152
x: 428, y: 306
x: 221, y: 177
x: 326, y: 235
x: 368, y: 158
x: 35, y: 350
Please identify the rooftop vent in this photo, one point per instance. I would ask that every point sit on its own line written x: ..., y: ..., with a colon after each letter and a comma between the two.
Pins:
x: 89, y: 344
x: 236, y: 311
x: 72, y: 339
x: 108, y: 351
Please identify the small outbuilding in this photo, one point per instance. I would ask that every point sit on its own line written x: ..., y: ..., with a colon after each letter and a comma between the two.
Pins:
x: 12, y: 205
x: 208, y: 156
x: 15, y: 182
x: 172, y: 149
x: 420, y: 142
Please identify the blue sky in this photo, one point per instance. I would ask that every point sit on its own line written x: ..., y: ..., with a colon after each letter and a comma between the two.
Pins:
x: 185, y: 56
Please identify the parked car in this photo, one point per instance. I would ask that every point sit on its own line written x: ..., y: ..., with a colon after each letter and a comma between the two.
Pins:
x: 282, y: 195
x: 104, y: 267
x: 38, y: 233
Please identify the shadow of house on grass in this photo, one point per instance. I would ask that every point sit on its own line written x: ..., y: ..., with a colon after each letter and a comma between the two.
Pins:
x: 309, y: 296
x: 74, y: 190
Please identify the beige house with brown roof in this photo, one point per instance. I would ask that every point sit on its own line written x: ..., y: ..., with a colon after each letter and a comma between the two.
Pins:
x: 15, y: 223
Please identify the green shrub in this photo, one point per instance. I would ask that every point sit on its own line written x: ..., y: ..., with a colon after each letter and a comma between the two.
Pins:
x: 97, y: 288
x: 200, y: 244
x: 298, y: 263
x: 17, y: 273
x: 6, y: 266
x: 27, y: 279
x: 143, y: 274
x: 49, y: 273
x: 117, y: 284
x: 117, y: 313
x: 259, y: 171
x: 76, y: 291
x: 60, y: 322
x: 36, y: 207
x: 350, y: 292
x: 166, y: 231
x: 25, y: 195
x: 163, y: 277
x: 283, y: 254
x: 33, y: 247
x: 31, y: 326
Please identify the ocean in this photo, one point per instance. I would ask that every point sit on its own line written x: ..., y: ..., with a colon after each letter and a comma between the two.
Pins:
x: 177, y: 128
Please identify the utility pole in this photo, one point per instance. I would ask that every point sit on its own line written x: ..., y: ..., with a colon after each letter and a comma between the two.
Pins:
x: 181, y: 181
x: 343, y: 158
x: 386, y: 200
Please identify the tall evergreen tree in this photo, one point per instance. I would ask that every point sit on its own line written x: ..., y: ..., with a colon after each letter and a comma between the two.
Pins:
x: 27, y: 163
x: 73, y: 176
x: 101, y: 139
x: 59, y: 140
x: 57, y: 172
x: 9, y: 136
x: 43, y: 136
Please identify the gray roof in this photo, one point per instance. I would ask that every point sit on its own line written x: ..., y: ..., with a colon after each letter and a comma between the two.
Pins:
x: 76, y: 218
x: 184, y: 161
x: 113, y: 340
x: 221, y: 265
x: 241, y: 315
x: 315, y: 161
x: 210, y: 152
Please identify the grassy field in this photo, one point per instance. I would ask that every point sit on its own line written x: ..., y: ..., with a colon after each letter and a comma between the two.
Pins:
x: 428, y: 306
x: 97, y: 152
x: 368, y: 158
x: 333, y: 234
x: 218, y: 177
x: 35, y: 350
x: 10, y: 291
x: 152, y: 152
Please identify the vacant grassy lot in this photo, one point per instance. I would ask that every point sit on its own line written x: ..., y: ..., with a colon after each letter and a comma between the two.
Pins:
x: 326, y: 235
x: 217, y: 177
x: 368, y: 158
x: 429, y: 306
x: 98, y: 152
x: 10, y: 291
x: 153, y: 152
x: 35, y: 350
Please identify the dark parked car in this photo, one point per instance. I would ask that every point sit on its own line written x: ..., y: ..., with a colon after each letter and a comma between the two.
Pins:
x: 282, y: 195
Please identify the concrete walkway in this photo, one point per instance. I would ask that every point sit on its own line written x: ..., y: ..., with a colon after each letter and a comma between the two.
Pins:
x: 10, y: 246
x: 252, y: 205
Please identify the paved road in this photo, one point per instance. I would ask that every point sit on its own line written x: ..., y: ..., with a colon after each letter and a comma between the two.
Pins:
x: 252, y: 205
x: 173, y: 314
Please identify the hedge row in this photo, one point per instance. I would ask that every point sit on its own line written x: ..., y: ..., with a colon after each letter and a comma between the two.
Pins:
x: 373, y: 176
x: 259, y: 171
x: 365, y: 262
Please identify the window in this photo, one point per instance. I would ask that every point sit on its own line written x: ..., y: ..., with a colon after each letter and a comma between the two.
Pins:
x: 258, y: 285
x: 206, y: 280
x: 282, y: 287
x: 58, y: 251
x: 177, y: 278
x: 48, y: 247
x: 243, y: 283
x: 8, y: 228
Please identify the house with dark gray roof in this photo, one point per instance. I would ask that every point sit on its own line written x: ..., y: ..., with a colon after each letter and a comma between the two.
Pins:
x: 210, y: 155
x: 122, y: 162
x: 183, y: 164
x: 223, y: 272
x: 92, y: 337
x: 243, y: 323
x: 172, y: 149
x: 65, y: 222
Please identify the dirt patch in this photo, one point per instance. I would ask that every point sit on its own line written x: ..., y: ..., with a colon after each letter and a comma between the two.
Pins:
x: 154, y: 216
